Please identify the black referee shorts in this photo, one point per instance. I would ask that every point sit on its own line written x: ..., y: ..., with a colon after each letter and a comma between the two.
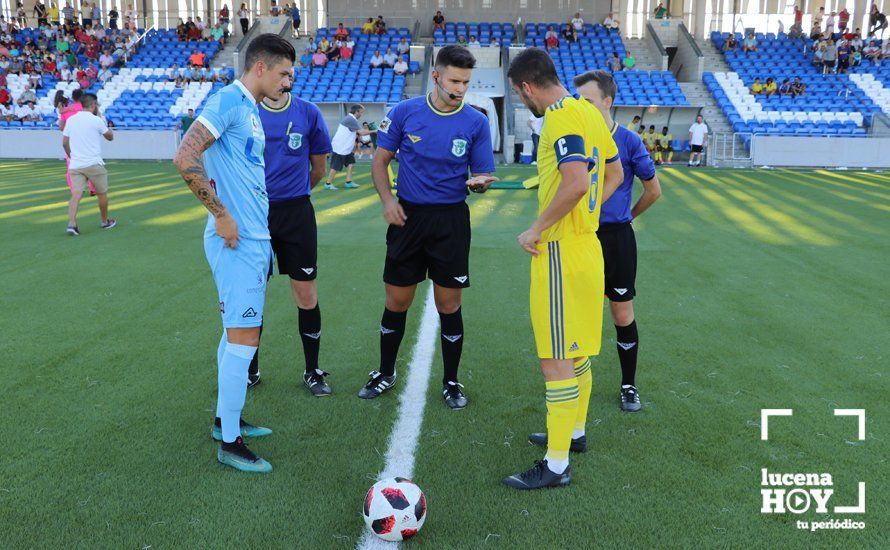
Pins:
x: 294, y: 238
x: 620, y: 260
x: 435, y: 240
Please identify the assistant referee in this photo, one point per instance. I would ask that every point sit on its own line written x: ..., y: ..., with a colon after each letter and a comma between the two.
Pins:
x: 440, y: 141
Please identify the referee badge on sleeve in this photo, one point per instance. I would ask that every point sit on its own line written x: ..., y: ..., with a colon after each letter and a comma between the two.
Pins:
x: 459, y: 147
x: 384, y: 125
x: 294, y: 140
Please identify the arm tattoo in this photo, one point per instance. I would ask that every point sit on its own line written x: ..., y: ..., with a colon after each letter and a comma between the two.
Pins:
x: 190, y: 163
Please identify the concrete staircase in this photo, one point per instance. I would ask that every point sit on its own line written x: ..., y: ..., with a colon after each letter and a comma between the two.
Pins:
x: 226, y: 55
x: 639, y: 49
x: 699, y: 96
x: 714, y: 60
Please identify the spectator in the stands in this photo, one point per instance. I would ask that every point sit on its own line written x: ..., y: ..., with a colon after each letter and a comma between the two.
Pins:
x: 494, y: 43
x: 181, y: 31
x: 568, y: 33
x: 221, y: 74
x: 53, y: 13
x: 113, y: 16
x: 50, y: 68
x: 462, y: 40
x: 380, y: 25
x: 551, y: 39
x: 130, y: 18
x: 86, y: 14
x: 614, y: 63
x: 27, y: 112
x: 818, y: 54
x: 818, y: 17
x: 816, y: 31
x: 346, y: 50
x: 368, y: 27
x: 274, y: 9
x: 843, y: 56
x: 474, y: 42
x: 872, y: 51
x: 400, y: 67
x: 40, y: 13
x: 855, y: 39
x: 197, y: 58
x: 243, y: 15
x: 306, y: 58
x: 843, y: 19
x: 439, y: 21
x: 750, y: 43
x: 218, y: 34
x: 224, y: 18
x: 104, y: 75
x: 577, y: 24
x: 785, y: 88
x: 319, y: 59
x: 7, y: 113
x: 770, y: 88
x: 403, y: 47
x: 333, y: 52
x: 855, y: 57
x: 628, y: 62
x: 377, y: 61
x: 731, y: 43
x: 830, y: 23
x: 885, y: 51
x: 611, y: 22
x: 877, y: 21
x: 105, y: 60
x: 27, y: 95
x: 829, y: 57
x: 797, y: 87
x: 757, y: 87
x: 341, y: 32
x: 194, y: 32
x: 68, y: 14
x: 660, y: 11
x: 185, y: 121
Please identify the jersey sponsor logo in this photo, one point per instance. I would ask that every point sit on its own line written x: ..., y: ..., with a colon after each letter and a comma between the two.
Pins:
x: 413, y: 138
x: 452, y: 337
x: 313, y: 335
x: 294, y: 141
x: 307, y: 270
x: 462, y: 279
x: 620, y: 291
x: 458, y: 147
x: 384, y: 125
x: 250, y: 313
x: 626, y: 346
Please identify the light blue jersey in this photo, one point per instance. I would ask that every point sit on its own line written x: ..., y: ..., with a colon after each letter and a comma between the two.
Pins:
x: 234, y: 162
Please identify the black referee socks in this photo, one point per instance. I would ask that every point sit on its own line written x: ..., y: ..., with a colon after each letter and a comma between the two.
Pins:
x: 628, y: 342
x: 452, y: 343
x: 310, y: 332
x: 392, y: 328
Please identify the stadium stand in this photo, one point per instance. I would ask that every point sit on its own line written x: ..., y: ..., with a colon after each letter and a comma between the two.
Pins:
x: 833, y: 104
x: 504, y: 33
x: 354, y: 80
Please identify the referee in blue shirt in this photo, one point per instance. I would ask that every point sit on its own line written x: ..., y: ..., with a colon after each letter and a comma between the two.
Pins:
x: 297, y: 143
x: 616, y: 232
x: 440, y: 141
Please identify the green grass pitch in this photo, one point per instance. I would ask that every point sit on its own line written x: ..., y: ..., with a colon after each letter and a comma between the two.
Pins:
x: 756, y: 289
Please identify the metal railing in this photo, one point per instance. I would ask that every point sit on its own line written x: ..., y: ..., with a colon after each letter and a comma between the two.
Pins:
x: 729, y: 148
x: 660, y: 50
x: 138, y: 40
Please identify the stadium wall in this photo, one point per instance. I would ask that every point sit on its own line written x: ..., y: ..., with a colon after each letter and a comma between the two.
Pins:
x: 47, y: 144
x: 829, y: 152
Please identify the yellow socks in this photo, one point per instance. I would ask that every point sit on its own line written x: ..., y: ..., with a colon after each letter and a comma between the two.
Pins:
x: 562, y: 410
x: 585, y: 386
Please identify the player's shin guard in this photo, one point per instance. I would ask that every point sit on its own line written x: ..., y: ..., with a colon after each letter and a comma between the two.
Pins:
x: 310, y: 333
x: 585, y: 387
x: 232, y: 388
x: 392, y: 328
x: 220, y: 351
x: 452, y: 343
x: 255, y: 362
x: 562, y: 410
x: 628, y: 342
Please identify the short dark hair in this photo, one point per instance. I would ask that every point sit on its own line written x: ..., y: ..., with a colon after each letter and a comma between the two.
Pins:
x: 533, y: 65
x: 269, y: 47
x: 455, y: 56
x: 88, y: 100
x: 356, y: 108
x: 76, y: 94
x: 604, y: 82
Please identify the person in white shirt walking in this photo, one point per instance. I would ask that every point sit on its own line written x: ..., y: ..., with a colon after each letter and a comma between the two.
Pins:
x: 82, y: 141
x: 698, y: 137
x: 535, y: 124
x: 343, y: 146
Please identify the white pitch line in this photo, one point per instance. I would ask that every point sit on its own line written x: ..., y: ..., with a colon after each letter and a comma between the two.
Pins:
x: 405, y: 433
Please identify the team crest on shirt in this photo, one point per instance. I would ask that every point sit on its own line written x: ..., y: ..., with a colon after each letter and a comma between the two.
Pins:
x: 384, y: 125
x: 458, y: 147
x: 294, y: 141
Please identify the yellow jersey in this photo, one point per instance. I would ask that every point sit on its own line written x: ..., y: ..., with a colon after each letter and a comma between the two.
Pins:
x: 573, y: 130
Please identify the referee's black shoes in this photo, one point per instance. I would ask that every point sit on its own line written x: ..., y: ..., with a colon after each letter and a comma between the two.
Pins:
x: 453, y: 396
x: 377, y: 384
x: 315, y: 382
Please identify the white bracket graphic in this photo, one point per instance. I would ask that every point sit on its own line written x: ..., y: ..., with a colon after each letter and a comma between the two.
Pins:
x: 859, y: 508
x: 854, y: 412
x: 764, y: 420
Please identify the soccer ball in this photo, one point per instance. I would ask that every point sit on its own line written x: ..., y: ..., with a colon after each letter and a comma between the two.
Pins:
x: 395, y: 509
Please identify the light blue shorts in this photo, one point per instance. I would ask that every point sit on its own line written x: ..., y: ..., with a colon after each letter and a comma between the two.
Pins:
x: 240, y: 276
